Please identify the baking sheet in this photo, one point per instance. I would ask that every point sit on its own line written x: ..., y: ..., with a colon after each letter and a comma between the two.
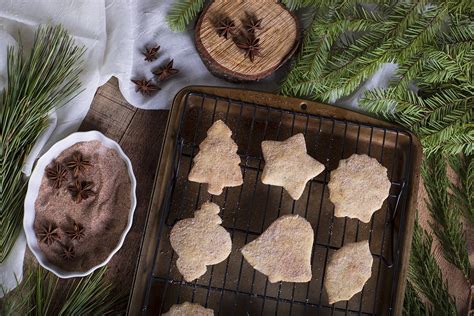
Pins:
x: 233, y: 286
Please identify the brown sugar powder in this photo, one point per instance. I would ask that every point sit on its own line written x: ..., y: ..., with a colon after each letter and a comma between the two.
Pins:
x: 103, y: 215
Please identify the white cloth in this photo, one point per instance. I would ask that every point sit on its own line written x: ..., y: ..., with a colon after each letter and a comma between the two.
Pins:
x: 115, y: 32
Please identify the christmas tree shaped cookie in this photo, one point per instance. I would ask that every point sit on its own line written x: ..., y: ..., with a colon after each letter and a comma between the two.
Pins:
x: 217, y: 162
x: 200, y: 241
x: 287, y: 164
x: 283, y: 251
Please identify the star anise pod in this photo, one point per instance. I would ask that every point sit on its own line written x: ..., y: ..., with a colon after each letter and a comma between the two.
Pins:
x: 253, y: 24
x: 68, y: 253
x: 57, y: 174
x: 167, y: 71
x: 251, y: 46
x: 81, y: 190
x: 145, y: 87
x: 49, y: 234
x: 226, y: 27
x: 150, y: 53
x: 77, y: 233
x: 78, y: 163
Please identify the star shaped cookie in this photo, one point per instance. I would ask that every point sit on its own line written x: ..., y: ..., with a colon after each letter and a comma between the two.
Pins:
x: 287, y: 164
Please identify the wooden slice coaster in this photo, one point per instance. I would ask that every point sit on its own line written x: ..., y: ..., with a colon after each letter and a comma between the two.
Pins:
x: 279, y: 37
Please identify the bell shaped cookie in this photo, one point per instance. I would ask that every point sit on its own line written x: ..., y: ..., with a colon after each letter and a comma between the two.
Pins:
x: 287, y: 164
x: 200, y: 241
x: 283, y: 251
x: 188, y: 309
x: 217, y: 162
x: 358, y: 187
x: 348, y: 270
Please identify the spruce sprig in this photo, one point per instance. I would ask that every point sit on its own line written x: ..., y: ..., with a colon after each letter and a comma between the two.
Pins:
x: 47, y: 78
x: 412, y: 305
x: 463, y: 192
x: 182, y: 13
x: 432, y: 44
x: 447, y: 225
x: 425, y: 275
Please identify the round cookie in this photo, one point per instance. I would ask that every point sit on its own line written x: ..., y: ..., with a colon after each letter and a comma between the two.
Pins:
x: 358, y: 187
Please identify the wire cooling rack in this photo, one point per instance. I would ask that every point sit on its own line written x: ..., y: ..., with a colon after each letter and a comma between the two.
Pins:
x: 233, y: 287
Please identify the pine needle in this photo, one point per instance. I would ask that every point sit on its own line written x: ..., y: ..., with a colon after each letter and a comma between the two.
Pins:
x: 425, y: 275
x: 37, y: 295
x: 412, y: 305
x: 47, y: 78
x: 182, y: 13
x: 447, y: 225
x: 463, y: 192
x: 433, y: 45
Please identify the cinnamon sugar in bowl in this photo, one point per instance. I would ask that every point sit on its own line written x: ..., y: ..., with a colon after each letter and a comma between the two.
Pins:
x: 79, y: 205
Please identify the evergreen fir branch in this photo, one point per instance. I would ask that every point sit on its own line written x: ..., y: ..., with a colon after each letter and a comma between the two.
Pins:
x: 425, y: 275
x: 39, y: 83
x: 437, y: 119
x: 451, y: 140
x: 447, y: 224
x: 423, y: 30
x: 442, y: 66
x: 404, y: 14
x: 298, y: 4
x: 182, y: 13
x: 463, y: 192
x: 317, y: 44
x: 325, y: 31
x: 404, y: 107
x: 409, y: 70
x: 412, y: 304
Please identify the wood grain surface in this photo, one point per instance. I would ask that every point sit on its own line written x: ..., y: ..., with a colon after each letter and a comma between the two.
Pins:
x: 279, y: 38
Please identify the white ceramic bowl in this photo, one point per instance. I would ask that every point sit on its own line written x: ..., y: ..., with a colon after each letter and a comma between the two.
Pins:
x: 33, y: 189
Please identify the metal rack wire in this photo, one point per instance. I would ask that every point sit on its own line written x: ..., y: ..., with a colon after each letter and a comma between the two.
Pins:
x: 233, y: 286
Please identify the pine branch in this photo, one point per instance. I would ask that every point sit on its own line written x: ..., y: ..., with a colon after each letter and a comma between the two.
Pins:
x: 425, y: 275
x: 447, y: 224
x: 308, y: 76
x: 37, y: 84
x: 451, y: 140
x: 412, y: 304
x: 404, y: 107
x: 463, y: 193
x: 298, y: 4
x: 37, y: 295
x: 182, y: 13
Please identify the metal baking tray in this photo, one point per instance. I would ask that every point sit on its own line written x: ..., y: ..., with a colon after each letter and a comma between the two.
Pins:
x: 233, y: 287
